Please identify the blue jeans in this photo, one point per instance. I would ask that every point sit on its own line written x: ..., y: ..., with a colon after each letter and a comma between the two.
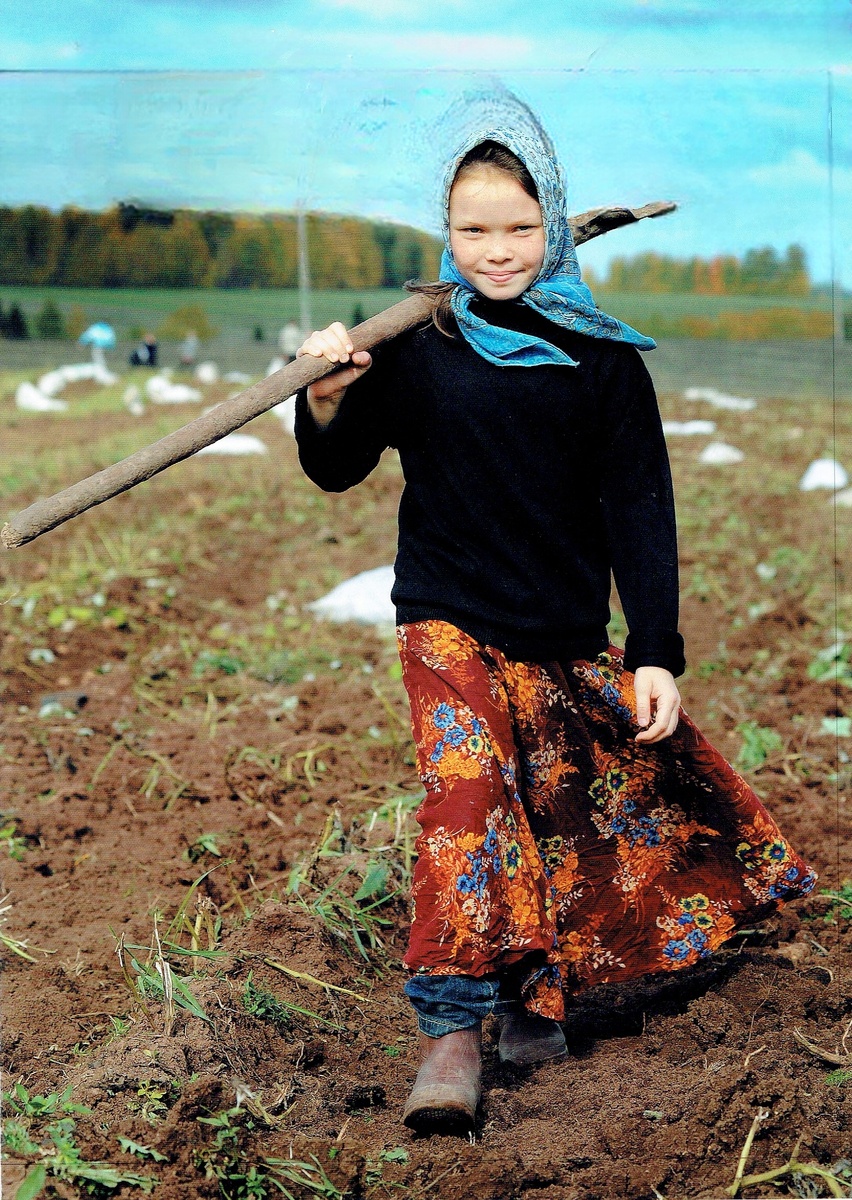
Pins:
x: 446, y: 1003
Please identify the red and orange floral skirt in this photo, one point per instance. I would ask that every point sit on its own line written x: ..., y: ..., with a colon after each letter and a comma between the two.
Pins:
x: 550, y: 837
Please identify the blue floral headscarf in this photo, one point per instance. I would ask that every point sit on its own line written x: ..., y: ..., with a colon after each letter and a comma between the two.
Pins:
x: 557, y: 291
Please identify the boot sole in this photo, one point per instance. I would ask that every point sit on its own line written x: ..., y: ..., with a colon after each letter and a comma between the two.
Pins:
x: 438, y: 1119
x: 532, y: 1061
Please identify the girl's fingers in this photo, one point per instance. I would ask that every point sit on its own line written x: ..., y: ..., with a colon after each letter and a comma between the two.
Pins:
x: 643, y: 701
x: 341, y: 334
x: 653, y: 733
x: 322, y: 347
x: 665, y: 723
x: 332, y: 343
x: 666, y: 715
x: 657, y: 696
x: 338, y: 381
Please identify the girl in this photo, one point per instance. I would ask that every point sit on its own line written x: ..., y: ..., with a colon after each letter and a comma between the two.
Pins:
x: 576, y: 828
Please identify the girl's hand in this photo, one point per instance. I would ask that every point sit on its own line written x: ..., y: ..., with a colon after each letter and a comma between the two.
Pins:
x: 333, y: 344
x: 657, y: 694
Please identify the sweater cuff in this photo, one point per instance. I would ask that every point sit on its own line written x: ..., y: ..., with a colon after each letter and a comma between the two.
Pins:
x: 664, y: 651
x: 305, y: 426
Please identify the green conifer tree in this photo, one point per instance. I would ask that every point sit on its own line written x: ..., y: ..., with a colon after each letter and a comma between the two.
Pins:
x: 49, y: 323
x: 16, y: 325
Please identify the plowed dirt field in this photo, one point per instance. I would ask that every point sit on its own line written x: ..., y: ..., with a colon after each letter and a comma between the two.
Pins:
x: 205, y: 790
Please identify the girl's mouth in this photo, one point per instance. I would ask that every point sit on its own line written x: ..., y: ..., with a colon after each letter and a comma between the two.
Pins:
x: 500, y: 276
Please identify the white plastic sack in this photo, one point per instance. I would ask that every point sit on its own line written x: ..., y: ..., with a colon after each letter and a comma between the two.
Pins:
x: 103, y: 375
x: 132, y: 401
x: 160, y: 390
x: 720, y: 454
x: 689, y: 428
x: 29, y: 399
x: 74, y: 372
x: 52, y: 383
x: 364, y: 598
x: 207, y: 372
x: 720, y: 399
x: 823, y: 473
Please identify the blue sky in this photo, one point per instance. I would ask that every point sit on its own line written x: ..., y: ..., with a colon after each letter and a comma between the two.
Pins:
x: 344, y: 104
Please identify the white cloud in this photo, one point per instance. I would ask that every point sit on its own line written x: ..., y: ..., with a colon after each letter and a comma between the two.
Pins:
x: 801, y: 169
x: 19, y: 55
x: 797, y: 168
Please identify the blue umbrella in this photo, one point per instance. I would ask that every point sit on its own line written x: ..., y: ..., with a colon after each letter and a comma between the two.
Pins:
x: 99, y: 334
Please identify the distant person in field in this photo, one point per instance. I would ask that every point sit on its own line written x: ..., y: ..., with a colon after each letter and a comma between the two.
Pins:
x: 577, y: 827
x: 145, y: 354
x: 289, y: 341
x: 189, y: 349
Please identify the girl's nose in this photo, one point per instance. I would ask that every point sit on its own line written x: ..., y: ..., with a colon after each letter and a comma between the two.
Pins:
x: 498, y: 251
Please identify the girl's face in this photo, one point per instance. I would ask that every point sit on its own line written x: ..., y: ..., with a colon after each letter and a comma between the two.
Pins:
x: 496, y: 232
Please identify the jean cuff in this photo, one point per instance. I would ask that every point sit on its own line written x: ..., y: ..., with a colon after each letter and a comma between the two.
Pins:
x: 447, y: 1003
x: 434, y: 1027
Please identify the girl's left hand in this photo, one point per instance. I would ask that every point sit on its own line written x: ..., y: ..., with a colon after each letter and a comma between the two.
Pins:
x: 657, y: 694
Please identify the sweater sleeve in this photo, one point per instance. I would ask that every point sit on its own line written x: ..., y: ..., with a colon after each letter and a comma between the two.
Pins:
x: 639, y: 514
x: 349, y: 447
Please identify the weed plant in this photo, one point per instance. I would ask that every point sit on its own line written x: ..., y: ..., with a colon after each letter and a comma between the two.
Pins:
x: 262, y: 1004
x: 833, y: 664
x: 156, y: 978
x: 758, y: 744
x: 152, y: 1099
x: 227, y: 1160
x: 130, y: 1147
x: 19, y: 946
x: 840, y: 908
x: 373, y: 1175
x: 51, y: 1147
x: 15, y: 843
x: 369, y: 879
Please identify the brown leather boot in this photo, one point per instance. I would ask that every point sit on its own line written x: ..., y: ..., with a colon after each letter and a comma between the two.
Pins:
x: 526, y: 1038
x: 448, y: 1085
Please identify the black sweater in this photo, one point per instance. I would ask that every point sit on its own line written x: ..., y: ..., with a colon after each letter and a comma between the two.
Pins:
x: 524, y: 488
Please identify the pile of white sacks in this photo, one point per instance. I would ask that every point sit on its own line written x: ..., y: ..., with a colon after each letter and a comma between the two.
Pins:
x: 714, y: 453
x: 160, y: 388
x: 42, y: 395
x: 823, y: 473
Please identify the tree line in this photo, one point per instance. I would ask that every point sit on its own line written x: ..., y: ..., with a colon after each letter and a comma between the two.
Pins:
x: 762, y: 272
x: 129, y: 245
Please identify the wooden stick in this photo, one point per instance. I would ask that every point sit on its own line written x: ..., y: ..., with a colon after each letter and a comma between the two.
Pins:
x: 47, y: 513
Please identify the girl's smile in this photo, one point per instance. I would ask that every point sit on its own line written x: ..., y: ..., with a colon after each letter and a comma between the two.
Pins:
x: 496, y: 233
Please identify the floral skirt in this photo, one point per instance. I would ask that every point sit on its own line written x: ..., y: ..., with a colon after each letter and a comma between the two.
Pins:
x: 553, y: 843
